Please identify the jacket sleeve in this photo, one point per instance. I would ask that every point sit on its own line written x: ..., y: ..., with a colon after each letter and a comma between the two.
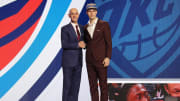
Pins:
x: 85, y: 36
x: 108, y: 40
x: 82, y: 33
x: 66, y: 44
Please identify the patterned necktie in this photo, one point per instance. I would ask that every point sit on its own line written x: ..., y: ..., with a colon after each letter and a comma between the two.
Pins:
x: 78, y: 33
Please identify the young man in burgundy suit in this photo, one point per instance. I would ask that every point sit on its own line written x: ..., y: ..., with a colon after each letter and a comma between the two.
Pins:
x: 98, y: 53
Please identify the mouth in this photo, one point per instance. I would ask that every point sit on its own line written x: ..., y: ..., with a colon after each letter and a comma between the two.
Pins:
x: 177, y: 90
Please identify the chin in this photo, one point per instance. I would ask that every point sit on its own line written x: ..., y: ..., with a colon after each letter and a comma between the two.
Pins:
x: 92, y: 18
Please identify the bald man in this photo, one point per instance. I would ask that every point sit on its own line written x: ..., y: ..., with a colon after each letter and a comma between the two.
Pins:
x: 72, y: 44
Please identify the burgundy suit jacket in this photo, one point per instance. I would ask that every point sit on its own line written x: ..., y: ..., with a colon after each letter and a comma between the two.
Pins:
x: 100, y: 46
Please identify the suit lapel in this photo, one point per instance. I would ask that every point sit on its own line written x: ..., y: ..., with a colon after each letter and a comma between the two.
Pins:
x: 95, y: 29
x: 73, y: 31
x: 81, y: 29
x: 81, y: 32
x: 87, y: 31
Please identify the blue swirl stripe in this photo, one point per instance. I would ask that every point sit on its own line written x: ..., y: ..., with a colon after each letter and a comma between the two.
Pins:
x: 169, y: 60
x: 26, y: 25
x: 44, y: 80
x: 55, y: 15
x: 11, y: 9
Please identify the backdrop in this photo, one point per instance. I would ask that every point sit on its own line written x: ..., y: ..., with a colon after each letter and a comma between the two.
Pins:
x: 145, y: 37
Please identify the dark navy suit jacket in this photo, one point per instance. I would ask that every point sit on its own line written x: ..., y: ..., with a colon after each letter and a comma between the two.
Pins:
x: 72, y: 54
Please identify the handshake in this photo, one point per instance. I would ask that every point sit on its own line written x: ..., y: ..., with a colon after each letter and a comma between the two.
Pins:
x: 81, y: 44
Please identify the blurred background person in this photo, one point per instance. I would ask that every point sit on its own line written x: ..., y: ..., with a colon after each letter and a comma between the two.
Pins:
x: 134, y: 92
x: 114, y: 91
x: 173, y: 90
x: 158, y: 93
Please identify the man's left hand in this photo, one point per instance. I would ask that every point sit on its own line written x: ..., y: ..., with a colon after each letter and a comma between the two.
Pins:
x: 106, y: 62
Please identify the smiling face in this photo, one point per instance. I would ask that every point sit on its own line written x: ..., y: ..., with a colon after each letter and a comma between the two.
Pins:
x: 74, y: 15
x: 137, y: 93
x: 173, y: 89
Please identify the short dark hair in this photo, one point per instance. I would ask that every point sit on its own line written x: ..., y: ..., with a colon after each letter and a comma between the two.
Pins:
x: 91, y: 8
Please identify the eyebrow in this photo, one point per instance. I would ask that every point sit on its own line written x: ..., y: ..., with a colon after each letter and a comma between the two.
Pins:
x: 74, y: 13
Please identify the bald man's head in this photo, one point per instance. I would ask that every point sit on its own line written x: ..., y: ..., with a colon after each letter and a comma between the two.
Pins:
x: 74, y: 15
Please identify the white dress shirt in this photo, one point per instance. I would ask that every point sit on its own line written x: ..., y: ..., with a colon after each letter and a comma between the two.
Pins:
x: 91, y: 27
x: 74, y: 26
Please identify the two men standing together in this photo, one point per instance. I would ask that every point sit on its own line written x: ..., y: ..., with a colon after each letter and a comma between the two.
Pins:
x: 96, y: 38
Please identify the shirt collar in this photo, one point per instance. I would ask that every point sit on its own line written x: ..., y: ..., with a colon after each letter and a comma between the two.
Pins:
x: 74, y: 24
x: 94, y: 22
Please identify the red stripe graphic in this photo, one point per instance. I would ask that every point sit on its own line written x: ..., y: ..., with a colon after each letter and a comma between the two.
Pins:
x: 13, y: 22
x: 9, y: 51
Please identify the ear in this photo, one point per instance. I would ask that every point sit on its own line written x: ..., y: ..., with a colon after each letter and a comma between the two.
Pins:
x: 69, y: 15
